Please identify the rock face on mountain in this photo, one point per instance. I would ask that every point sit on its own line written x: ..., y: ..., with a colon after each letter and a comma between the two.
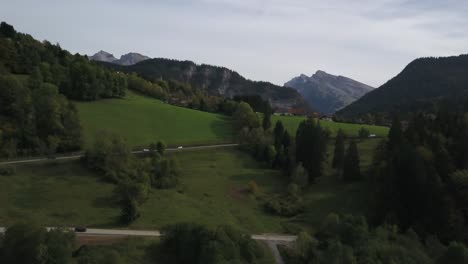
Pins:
x: 131, y: 58
x: 126, y: 59
x: 103, y: 56
x: 328, y: 93
x: 214, y: 80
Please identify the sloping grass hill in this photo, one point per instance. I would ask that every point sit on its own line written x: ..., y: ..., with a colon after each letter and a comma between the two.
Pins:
x: 142, y: 120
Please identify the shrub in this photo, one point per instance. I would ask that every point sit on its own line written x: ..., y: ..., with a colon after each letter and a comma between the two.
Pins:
x: 284, y: 205
x: 363, y: 133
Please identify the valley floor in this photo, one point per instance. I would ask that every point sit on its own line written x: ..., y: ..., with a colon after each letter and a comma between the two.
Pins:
x: 213, y: 192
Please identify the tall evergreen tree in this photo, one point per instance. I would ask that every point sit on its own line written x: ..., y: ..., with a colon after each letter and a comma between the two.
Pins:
x: 351, y: 169
x: 278, y: 133
x: 311, y: 147
x: 395, y: 135
x: 266, y: 123
x: 339, y: 154
x: 286, y: 141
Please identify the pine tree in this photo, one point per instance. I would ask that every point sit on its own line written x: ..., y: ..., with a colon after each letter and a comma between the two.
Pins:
x: 395, y: 135
x: 351, y: 170
x: 266, y: 124
x: 286, y: 141
x: 278, y: 133
x: 339, y: 154
x: 311, y: 147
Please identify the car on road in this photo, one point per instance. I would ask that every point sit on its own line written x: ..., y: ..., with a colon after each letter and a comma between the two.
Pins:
x: 80, y: 229
x: 146, y: 150
x: 180, y: 147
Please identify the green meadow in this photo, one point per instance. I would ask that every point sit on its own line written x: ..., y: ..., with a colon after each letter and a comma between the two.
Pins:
x: 143, y: 120
x: 291, y: 123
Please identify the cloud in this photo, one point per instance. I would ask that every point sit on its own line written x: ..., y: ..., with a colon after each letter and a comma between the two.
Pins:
x: 271, y: 40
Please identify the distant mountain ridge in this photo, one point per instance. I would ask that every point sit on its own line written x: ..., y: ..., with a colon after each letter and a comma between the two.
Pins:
x: 326, y: 92
x: 215, y: 80
x: 425, y: 85
x: 126, y: 59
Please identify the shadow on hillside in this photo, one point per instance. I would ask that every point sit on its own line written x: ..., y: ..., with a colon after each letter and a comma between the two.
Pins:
x: 222, y: 128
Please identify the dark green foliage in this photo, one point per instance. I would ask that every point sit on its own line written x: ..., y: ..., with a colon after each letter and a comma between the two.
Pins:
x: 110, y: 155
x: 339, y: 153
x: 266, y: 122
x: 395, y: 135
x: 426, y: 85
x: 270, y: 154
x: 456, y: 253
x: 191, y: 244
x: 7, y: 31
x: 284, y: 205
x: 311, y: 143
x: 130, y: 211
x: 165, y: 172
x: 76, y: 77
x: 30, y: 244
x: 351, y: 167
x: 257, y: 103
x: 419, y: 175
x: 160, y: 147
x: 363, y: 133
x: 348, y: 239
x: 278, y: 134
x: 40, y: 121
x: 245, y: 117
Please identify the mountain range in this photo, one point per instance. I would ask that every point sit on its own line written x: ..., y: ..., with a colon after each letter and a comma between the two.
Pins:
x: 213, y: 80
x: 425, y: 85
x: 328, y: 93
x: 126, y: 59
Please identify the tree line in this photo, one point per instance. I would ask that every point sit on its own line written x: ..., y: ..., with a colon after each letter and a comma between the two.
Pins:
x: 420, y: 175
x: 28, y: 243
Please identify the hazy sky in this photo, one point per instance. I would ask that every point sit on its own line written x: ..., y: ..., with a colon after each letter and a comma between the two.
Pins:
x: 270, y: 40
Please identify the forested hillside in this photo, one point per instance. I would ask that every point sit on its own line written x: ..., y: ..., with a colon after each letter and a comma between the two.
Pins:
x: 37, y: 79
x: 214, y: 80
x: 426, y: 84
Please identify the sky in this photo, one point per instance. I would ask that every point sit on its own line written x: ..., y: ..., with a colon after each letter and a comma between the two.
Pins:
x: 269, y: 40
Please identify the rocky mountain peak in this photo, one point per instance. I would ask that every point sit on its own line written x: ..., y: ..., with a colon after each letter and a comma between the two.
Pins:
x: 103, y: 56
x: 326, y: 92
x: 126, y: 59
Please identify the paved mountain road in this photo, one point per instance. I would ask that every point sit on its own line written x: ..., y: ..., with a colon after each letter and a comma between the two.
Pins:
x: 272, y: 240
x: 80, y: 154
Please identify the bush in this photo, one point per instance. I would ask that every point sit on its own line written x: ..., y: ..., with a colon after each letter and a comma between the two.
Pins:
x: 284, y: 205
x: 363, y: 133
x: 7, y: 170
x: 192, y: 243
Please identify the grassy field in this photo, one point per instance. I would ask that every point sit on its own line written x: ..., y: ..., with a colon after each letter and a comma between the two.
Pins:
x: 142, y: 120
x: 329, y: 194
x: 291, y: 123
x: 212, y: 193
x: 141, y: 251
